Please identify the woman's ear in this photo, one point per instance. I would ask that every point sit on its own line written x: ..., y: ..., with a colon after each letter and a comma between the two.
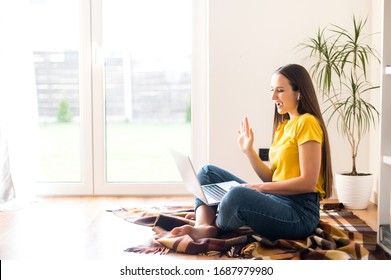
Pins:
x: 298, y: 95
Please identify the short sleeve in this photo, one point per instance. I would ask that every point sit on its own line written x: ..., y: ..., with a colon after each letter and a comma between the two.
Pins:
x: 308, y: 129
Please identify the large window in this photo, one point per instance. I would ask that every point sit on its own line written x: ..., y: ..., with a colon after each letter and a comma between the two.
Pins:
x: 113, y: 84
x: 147, y: 84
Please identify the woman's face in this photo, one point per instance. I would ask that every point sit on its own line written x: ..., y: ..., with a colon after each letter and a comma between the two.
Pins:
x: 286, y: 99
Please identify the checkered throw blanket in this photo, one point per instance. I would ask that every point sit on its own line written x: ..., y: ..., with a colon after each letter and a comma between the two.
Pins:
x: 340, y: 235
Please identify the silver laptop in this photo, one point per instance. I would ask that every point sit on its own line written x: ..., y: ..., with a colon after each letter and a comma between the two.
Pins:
x: 209, y: 194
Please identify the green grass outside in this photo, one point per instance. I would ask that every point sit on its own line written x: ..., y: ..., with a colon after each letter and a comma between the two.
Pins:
x: 134, y: 152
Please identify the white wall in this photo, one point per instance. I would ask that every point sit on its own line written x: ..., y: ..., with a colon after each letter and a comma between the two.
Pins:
x: 374, y: 139
x: 248, y: 40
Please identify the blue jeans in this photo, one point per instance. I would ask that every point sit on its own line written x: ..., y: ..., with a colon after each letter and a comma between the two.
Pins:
x: 271, y: 216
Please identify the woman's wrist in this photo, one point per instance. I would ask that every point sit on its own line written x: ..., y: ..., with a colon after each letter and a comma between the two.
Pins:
x: 251, y: 152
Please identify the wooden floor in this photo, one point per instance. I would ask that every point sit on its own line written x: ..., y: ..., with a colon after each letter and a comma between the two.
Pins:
x: 81, y: 228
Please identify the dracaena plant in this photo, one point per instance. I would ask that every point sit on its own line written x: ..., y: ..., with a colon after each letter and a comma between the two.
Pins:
x: 340, y: 60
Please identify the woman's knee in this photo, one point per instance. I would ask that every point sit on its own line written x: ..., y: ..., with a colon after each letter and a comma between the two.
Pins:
x: 207, y: 169
x: 209, y: 174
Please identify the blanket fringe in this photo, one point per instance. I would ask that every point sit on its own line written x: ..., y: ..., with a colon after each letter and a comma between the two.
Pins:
x: 160, y: 250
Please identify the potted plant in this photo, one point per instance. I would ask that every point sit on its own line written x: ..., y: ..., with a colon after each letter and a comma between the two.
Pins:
x: 340, y: 62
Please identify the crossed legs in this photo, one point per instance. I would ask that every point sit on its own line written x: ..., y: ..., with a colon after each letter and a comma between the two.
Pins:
x: 270, y: 216
x: 204, y: 227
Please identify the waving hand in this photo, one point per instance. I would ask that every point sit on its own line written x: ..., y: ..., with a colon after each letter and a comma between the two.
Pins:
x: 245, y: 136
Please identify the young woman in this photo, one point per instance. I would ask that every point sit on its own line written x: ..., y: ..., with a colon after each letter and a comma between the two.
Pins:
x: 285, y: 203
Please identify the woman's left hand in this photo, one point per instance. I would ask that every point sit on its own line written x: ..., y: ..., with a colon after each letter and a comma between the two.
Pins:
x: 245, y: 137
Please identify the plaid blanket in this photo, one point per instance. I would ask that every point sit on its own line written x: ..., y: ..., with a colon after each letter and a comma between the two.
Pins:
x: 340, y: 235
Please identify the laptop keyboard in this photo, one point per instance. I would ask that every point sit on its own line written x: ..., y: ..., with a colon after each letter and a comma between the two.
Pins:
x: 214, y: 191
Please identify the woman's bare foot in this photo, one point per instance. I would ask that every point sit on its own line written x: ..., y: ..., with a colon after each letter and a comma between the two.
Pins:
x: 196, y: 232
x: 190, y: 216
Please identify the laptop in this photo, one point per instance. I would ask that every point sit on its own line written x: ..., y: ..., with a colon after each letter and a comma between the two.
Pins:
x: 209, y: 194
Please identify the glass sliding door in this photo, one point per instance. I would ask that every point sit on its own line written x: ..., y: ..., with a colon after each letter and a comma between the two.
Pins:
x: 113, y: 82
x: 57, y: 28
x: 147, y: 50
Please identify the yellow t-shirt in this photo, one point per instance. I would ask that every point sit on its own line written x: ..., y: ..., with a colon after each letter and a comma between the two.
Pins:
x: 284, y: 151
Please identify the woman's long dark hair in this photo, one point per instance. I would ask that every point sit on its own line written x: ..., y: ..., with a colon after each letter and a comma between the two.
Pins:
x: 300, y: 80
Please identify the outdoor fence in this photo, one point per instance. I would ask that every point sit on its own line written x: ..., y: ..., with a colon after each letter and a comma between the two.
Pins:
x: 135, y: 89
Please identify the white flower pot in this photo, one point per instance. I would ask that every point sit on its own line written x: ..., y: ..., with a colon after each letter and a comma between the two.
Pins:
x: 354, y: 191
